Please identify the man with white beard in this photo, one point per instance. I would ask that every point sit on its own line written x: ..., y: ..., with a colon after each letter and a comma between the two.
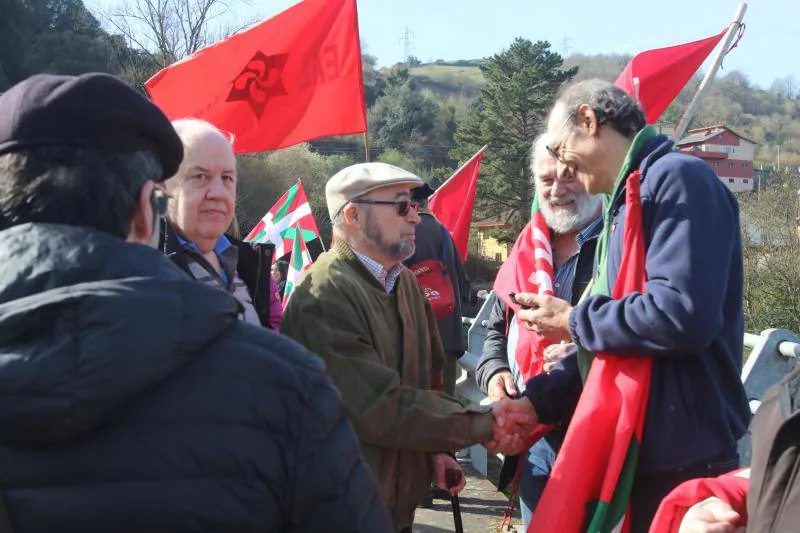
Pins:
x: 573, y: 218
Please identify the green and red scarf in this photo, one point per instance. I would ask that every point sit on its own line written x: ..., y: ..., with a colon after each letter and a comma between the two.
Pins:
x: 590, y: 485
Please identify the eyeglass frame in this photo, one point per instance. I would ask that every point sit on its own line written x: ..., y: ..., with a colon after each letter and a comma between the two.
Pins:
x: 601, y: 119
x: 403, y: 206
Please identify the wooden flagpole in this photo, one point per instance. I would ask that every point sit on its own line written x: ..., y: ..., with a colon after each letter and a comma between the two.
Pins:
x: 734, y: 26
x: 366, y: 147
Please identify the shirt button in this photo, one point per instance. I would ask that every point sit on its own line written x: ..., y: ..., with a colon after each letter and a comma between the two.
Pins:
x: 558, y: 285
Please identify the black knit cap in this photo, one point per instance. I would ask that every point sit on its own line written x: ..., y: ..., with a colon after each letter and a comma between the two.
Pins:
x: 422, y: 192
x: 90, y: 111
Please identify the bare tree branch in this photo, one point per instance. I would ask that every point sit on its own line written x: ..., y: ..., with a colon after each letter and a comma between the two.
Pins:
x: 169, y: 30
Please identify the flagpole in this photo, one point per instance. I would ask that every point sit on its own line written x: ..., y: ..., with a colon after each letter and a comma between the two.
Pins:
x: 366, y: 147
x: 734, y: 26
x: 485, y: 146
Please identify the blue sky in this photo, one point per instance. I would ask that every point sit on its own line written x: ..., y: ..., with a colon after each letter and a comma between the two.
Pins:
x: 469, y: 29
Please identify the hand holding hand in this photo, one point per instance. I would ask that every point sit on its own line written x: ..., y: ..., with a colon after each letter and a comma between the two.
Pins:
x: 514, y: 422
x: 442, y: 464
x: 546, y: 315
x: 712, y: 515
x: 502, y: 385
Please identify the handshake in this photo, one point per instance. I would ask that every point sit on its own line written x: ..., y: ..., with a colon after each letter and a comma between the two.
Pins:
x: 514, y: 422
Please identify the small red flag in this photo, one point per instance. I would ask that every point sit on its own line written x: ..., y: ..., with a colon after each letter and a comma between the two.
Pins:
x: 655, y: 77
x: 453, y: 202
x: 291, y: 78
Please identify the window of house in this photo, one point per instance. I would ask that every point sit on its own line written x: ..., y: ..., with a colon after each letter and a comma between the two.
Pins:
x: 746, y: 181
x: 744, y: 165
x: 730, y: 180
x: 731, y: 164
x: 498, y: 257
x: 716, y: 163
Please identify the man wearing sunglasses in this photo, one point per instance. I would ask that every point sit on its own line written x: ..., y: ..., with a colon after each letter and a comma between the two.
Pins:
x: 689, y: 319
x: 364, y: 313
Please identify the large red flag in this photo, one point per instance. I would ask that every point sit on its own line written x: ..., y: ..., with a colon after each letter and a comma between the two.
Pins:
x: 592, y: 477
x: 453, y: 202
x: 292, y: 78
x: 655, y: 77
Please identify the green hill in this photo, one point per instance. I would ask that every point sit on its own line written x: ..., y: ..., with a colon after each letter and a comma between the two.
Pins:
x: 771, y: 117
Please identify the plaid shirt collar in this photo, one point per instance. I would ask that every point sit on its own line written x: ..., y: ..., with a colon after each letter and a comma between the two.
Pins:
x: 387, y: 278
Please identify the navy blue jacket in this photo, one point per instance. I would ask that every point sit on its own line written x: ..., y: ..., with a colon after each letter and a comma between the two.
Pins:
x: 690, y: 319
x: 132, y: 399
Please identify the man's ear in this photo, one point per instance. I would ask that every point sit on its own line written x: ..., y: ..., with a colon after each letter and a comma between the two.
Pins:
x: 351, y: 215
x: 143, y: 220
x: 587, y: 119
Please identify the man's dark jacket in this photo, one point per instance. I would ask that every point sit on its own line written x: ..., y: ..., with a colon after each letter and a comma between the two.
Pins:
x: 132, y: 399
x: 433, y: 241
x: 690, y: 320
x: 772, y: 500
x: 253, y: 266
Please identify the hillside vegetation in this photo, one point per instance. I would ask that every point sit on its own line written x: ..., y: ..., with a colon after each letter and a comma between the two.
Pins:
x: 769, y: 116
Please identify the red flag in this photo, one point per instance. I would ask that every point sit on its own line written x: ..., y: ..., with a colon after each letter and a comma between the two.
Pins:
x: 731, y: 488
x: 592, y: 477
x: 292, y: 78
x: 655, y: 77
x: 529, y: 268
x: 453, y: 202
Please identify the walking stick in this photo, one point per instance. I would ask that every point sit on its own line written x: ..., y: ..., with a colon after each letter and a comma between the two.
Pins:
x: 453, y: 478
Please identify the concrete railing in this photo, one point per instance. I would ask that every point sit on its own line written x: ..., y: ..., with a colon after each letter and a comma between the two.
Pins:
x: 773, y: 354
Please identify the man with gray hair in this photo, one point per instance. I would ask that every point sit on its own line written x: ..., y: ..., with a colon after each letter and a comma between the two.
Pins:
x: 131, y: 397
x: 365, y: 314
x: 202, y: 202
x: 689, y: 318
x: 573, y: 220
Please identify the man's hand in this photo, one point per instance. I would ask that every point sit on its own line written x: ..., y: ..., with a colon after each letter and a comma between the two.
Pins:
x: 514, y: 422
x: 555, y: 353
x: 501, y: 386
x: 546, y: 315
x: 712, y: 515
x: 441, y: 464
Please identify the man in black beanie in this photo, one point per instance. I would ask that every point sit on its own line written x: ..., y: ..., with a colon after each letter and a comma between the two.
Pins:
x: 434, y: 242
x: 131, y: 397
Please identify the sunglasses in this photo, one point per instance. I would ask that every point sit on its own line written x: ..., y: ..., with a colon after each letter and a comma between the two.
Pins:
x: 403, y: 206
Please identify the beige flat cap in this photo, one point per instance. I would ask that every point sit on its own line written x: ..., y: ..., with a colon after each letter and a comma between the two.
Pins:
x: 358, y: 180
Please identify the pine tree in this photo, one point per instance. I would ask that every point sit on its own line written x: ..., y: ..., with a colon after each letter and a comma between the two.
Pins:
x: 511, y: 110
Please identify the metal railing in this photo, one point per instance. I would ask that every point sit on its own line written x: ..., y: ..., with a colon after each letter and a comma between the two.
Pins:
x: 773, y: 354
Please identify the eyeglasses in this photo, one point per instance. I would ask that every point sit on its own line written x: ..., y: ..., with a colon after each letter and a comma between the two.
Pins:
x: 403, y: 206
x: 555, y: 155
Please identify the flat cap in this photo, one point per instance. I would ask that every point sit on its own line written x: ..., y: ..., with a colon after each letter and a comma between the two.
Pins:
x: 89, y: 111
x: 358, y: 180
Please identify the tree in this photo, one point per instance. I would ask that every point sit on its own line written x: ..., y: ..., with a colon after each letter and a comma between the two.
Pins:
x: 521, y: 84
x: 771, y: 249
x: 403, y: 117
x: 165, y: 31
x: 55, y: 36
